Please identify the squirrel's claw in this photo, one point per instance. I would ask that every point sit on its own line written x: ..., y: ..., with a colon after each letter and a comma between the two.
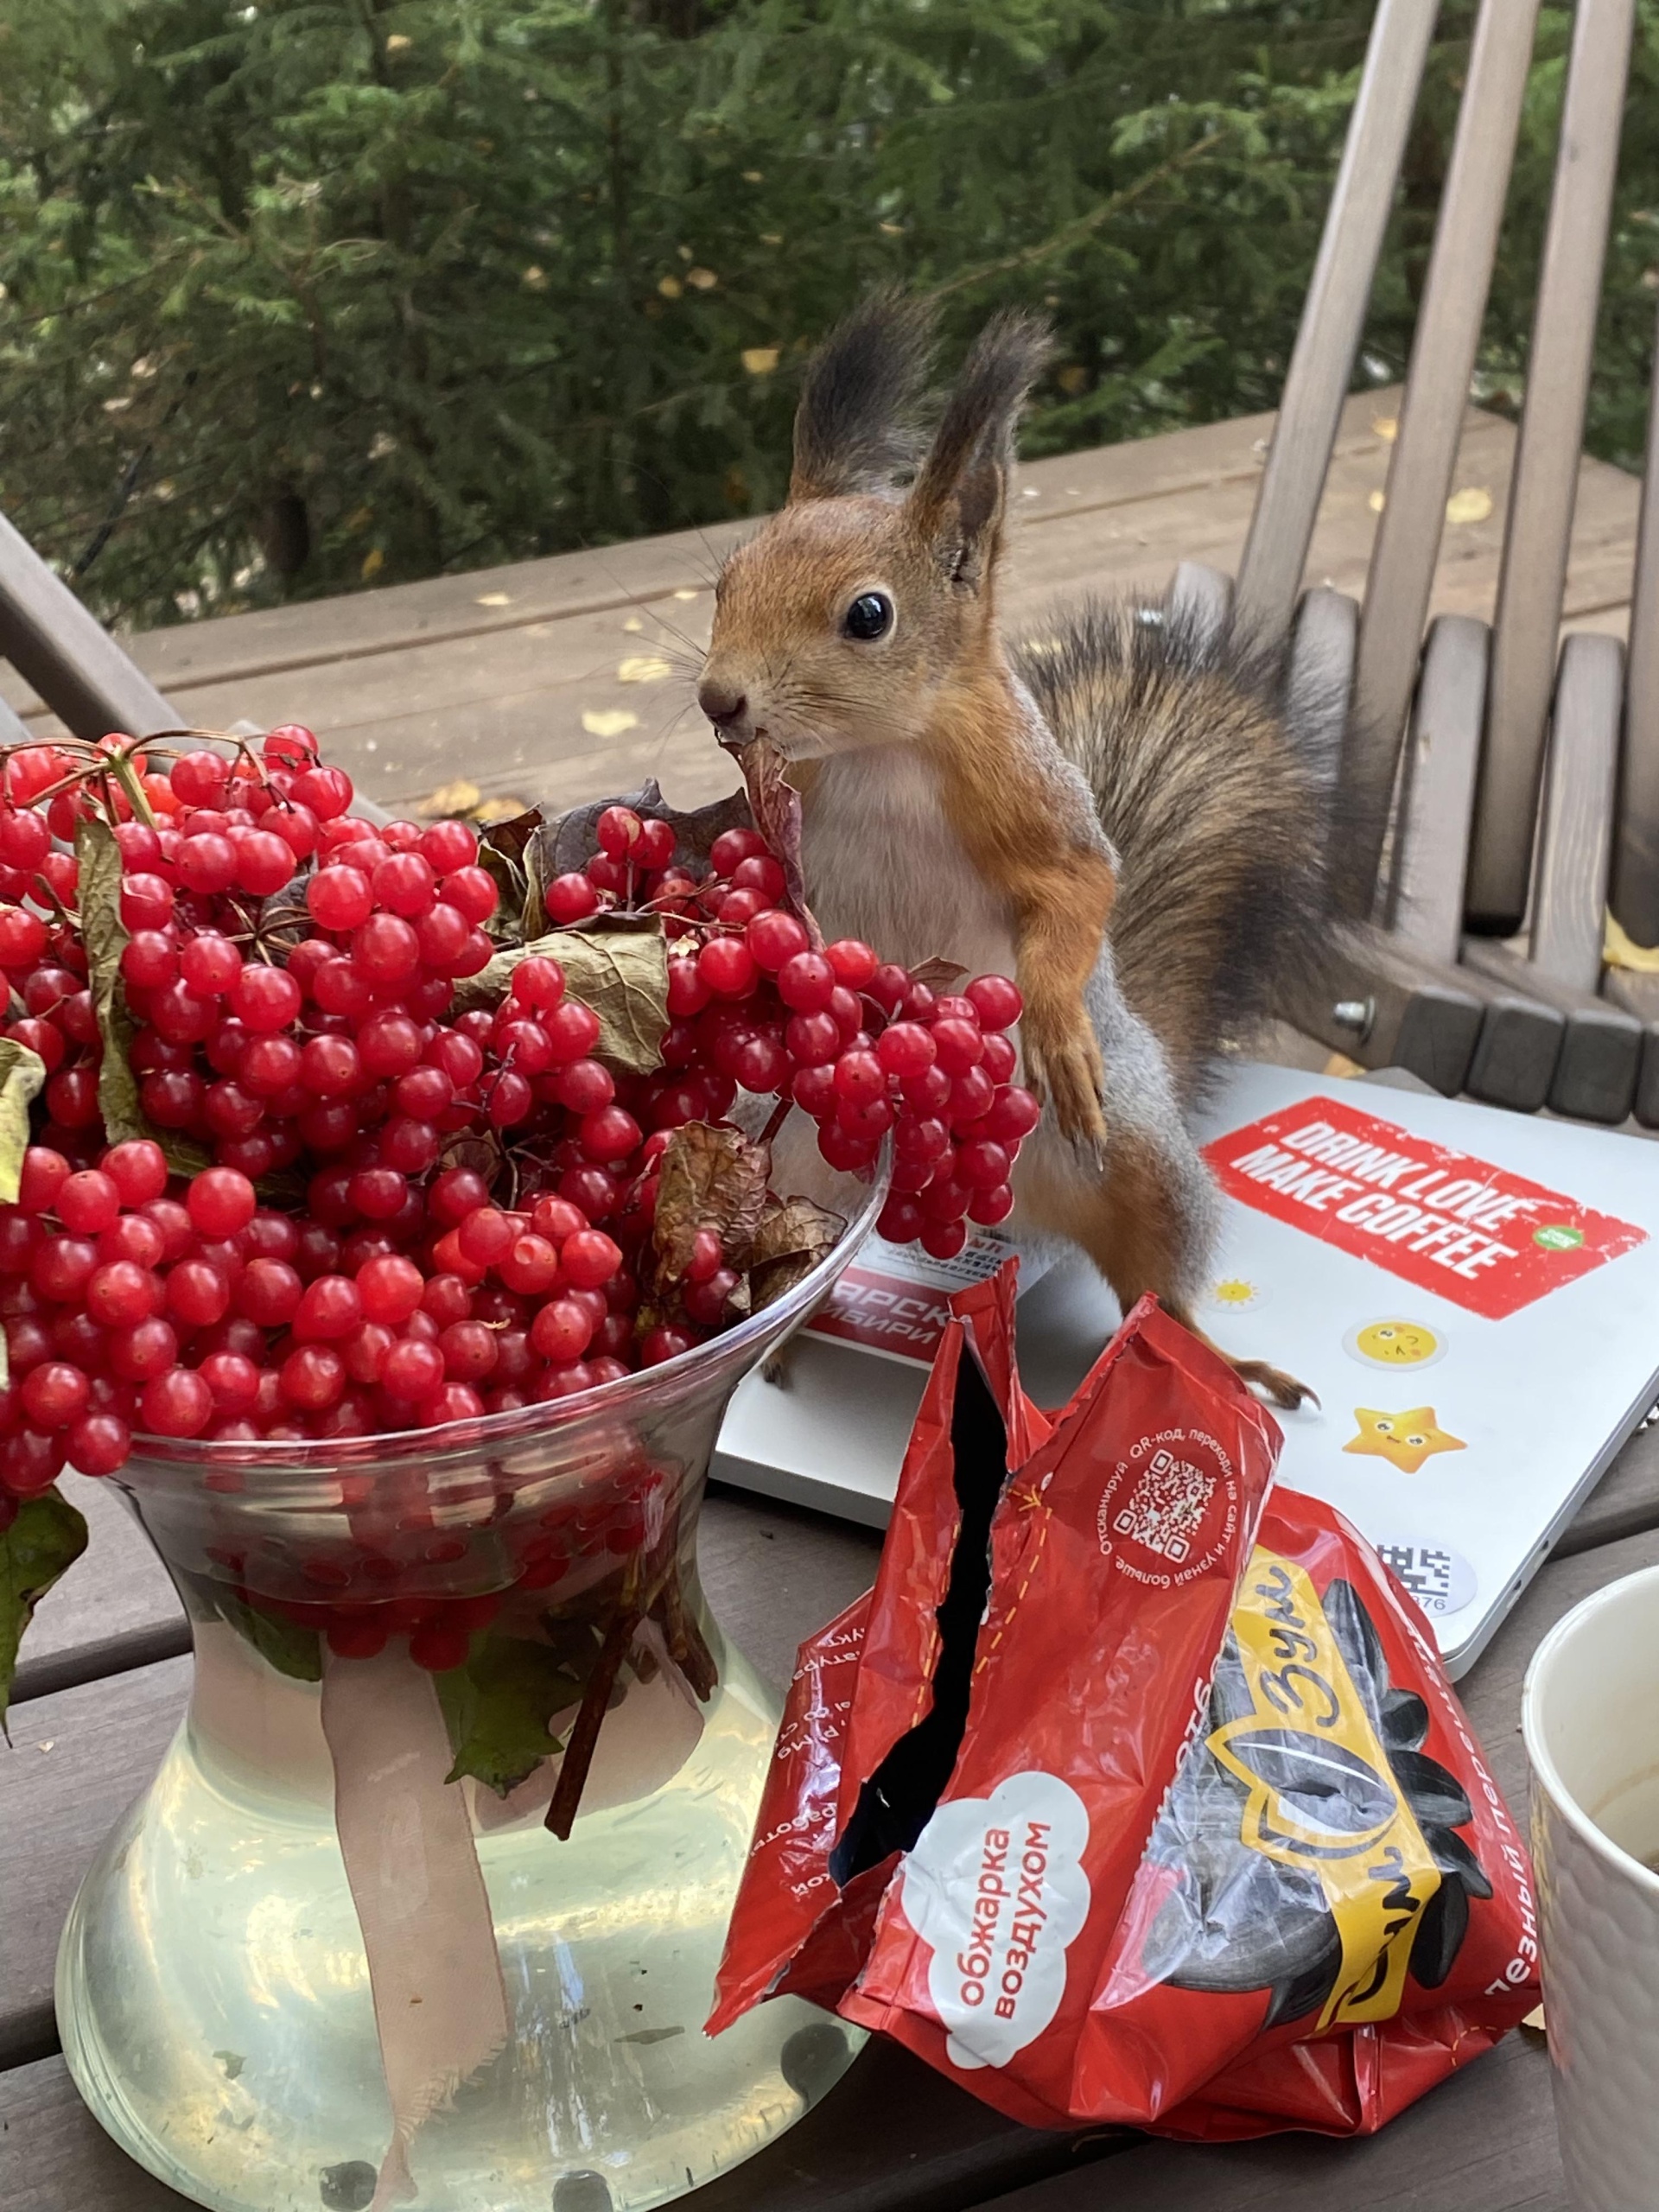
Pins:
x: 1068, y: 1078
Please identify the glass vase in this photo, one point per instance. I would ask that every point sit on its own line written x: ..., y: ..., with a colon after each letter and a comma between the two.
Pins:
x: 244, y: 1982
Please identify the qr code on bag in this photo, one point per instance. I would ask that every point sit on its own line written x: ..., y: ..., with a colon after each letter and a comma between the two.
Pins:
x: 1167, y: 1507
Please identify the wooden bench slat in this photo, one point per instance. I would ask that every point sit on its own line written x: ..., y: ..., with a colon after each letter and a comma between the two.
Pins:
x: 1425, y: 891
x: 1430, y: 415
x: 1530, y: 586
x: 1575, y: 833
x: 1635, y: 896
x: 1333, y: 315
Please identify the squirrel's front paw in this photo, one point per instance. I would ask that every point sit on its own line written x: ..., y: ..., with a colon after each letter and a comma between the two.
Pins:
x: 1068, y: 1075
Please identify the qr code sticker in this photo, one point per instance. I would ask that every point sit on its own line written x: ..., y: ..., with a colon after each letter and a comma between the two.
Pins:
x: 1425, y: 1572
x: 1166, y: 1509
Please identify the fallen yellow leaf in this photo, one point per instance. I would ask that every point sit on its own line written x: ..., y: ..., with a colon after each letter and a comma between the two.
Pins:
x: 644, y: 668
x: 1386, y: 427
x: 398, y: 43
x: 359, y: 518
x: 1072, y: 378
x: 499, y: 810
x: 752, y: 176
x: 704, y: 280
x: 1472, y: 503
x: 670, y: 287
x: 891, y: 230
x: 373, y: 561
x: 759, y: 360
x: 494, y: 598
x: 534, y: 278
x: 608, y: 721
x: 1377, y: 501
x: 459, y: 798
x: 1619, y: 950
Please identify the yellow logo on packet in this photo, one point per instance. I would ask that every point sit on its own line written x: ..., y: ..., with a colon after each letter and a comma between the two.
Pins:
x: 1322, y: 1794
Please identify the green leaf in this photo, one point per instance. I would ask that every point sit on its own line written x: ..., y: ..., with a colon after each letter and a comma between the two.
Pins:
x: 98, y: 857
x: 292, y: 1651
x: 498, y: 1706
x: 21, y: 1074
x: 48, y: 1536
x: 617, y: 964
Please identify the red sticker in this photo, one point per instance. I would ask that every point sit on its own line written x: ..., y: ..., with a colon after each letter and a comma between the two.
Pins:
x: 1484, y: 1238
x: 887, y: 1313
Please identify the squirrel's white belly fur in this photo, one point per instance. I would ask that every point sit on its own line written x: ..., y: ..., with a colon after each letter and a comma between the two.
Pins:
x: 883, y: 863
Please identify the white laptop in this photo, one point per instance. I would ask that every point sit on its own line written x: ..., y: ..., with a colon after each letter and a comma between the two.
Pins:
x: 1472, y: 1295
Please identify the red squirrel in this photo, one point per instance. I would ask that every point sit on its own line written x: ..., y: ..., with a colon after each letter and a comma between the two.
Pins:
x: 1127, y: 815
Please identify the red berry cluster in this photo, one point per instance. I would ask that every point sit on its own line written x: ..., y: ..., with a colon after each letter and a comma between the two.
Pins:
x: 862, y: 1045
x: 313, y: 1036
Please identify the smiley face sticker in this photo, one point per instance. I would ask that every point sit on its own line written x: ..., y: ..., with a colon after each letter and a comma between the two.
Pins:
x: 1394, y: 1342
x: 1405, y: 1440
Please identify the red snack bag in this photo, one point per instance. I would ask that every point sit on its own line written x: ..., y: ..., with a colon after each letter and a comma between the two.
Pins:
x: 1335, y: 1906
x: 1013, y: 1823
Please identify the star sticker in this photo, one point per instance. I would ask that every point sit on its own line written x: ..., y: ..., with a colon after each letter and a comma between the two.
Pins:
x: 1405, y: 1440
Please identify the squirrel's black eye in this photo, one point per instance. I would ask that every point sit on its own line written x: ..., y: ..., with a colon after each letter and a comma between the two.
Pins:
x: 869, y: 617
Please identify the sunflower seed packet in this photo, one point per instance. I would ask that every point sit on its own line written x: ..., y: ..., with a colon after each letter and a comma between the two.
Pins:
x: 1132, y: 1792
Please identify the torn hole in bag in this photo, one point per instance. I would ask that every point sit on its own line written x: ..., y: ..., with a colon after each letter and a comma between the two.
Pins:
x: 896, y: 1803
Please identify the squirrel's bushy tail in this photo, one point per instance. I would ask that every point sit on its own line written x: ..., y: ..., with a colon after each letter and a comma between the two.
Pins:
x: 1216, y: 780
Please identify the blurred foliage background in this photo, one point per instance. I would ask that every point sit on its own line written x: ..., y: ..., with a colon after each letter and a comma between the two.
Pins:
x: 298, y: 296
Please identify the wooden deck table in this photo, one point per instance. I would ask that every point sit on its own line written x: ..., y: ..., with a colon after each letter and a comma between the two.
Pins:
x: 556, y: 681
x: 105, y: 1683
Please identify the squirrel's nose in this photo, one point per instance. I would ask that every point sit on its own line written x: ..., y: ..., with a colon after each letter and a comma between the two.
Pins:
x: 723, y: 703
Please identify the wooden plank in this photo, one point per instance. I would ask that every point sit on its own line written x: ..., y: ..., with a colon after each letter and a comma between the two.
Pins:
x: 1533, y: 573
x: 1327, y: 339
x: 67, y: 656
x: 75, y: 1761
x: 1321, y: 680
x: 639, y: 571
x: 1576, y: 825
x: 114, y: 1610
x: 1201, y: 598
x: 1635, y: 897
x: 1625, y: 1501
x: 893, y: 2136
x: 1639, y: 995
x: 57, y: 2159
x: 1382, y: 1005
x: 1430, y: 415
x: 1596, y: 1069
x: 1431, y: 849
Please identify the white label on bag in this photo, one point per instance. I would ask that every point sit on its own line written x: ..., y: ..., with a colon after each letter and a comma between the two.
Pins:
x: 995, y: 1888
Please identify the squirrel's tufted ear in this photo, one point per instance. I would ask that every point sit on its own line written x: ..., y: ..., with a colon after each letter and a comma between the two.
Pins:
x: 856, y: 429
x: 961, y: 489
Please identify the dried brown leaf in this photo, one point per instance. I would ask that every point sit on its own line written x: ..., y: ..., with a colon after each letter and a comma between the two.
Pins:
x: 776, y: 806
x: 568, y: 842
x: 793, y: 1235
x: 939, y: 974
x: 709, y: 1178
x: 618, y: 964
